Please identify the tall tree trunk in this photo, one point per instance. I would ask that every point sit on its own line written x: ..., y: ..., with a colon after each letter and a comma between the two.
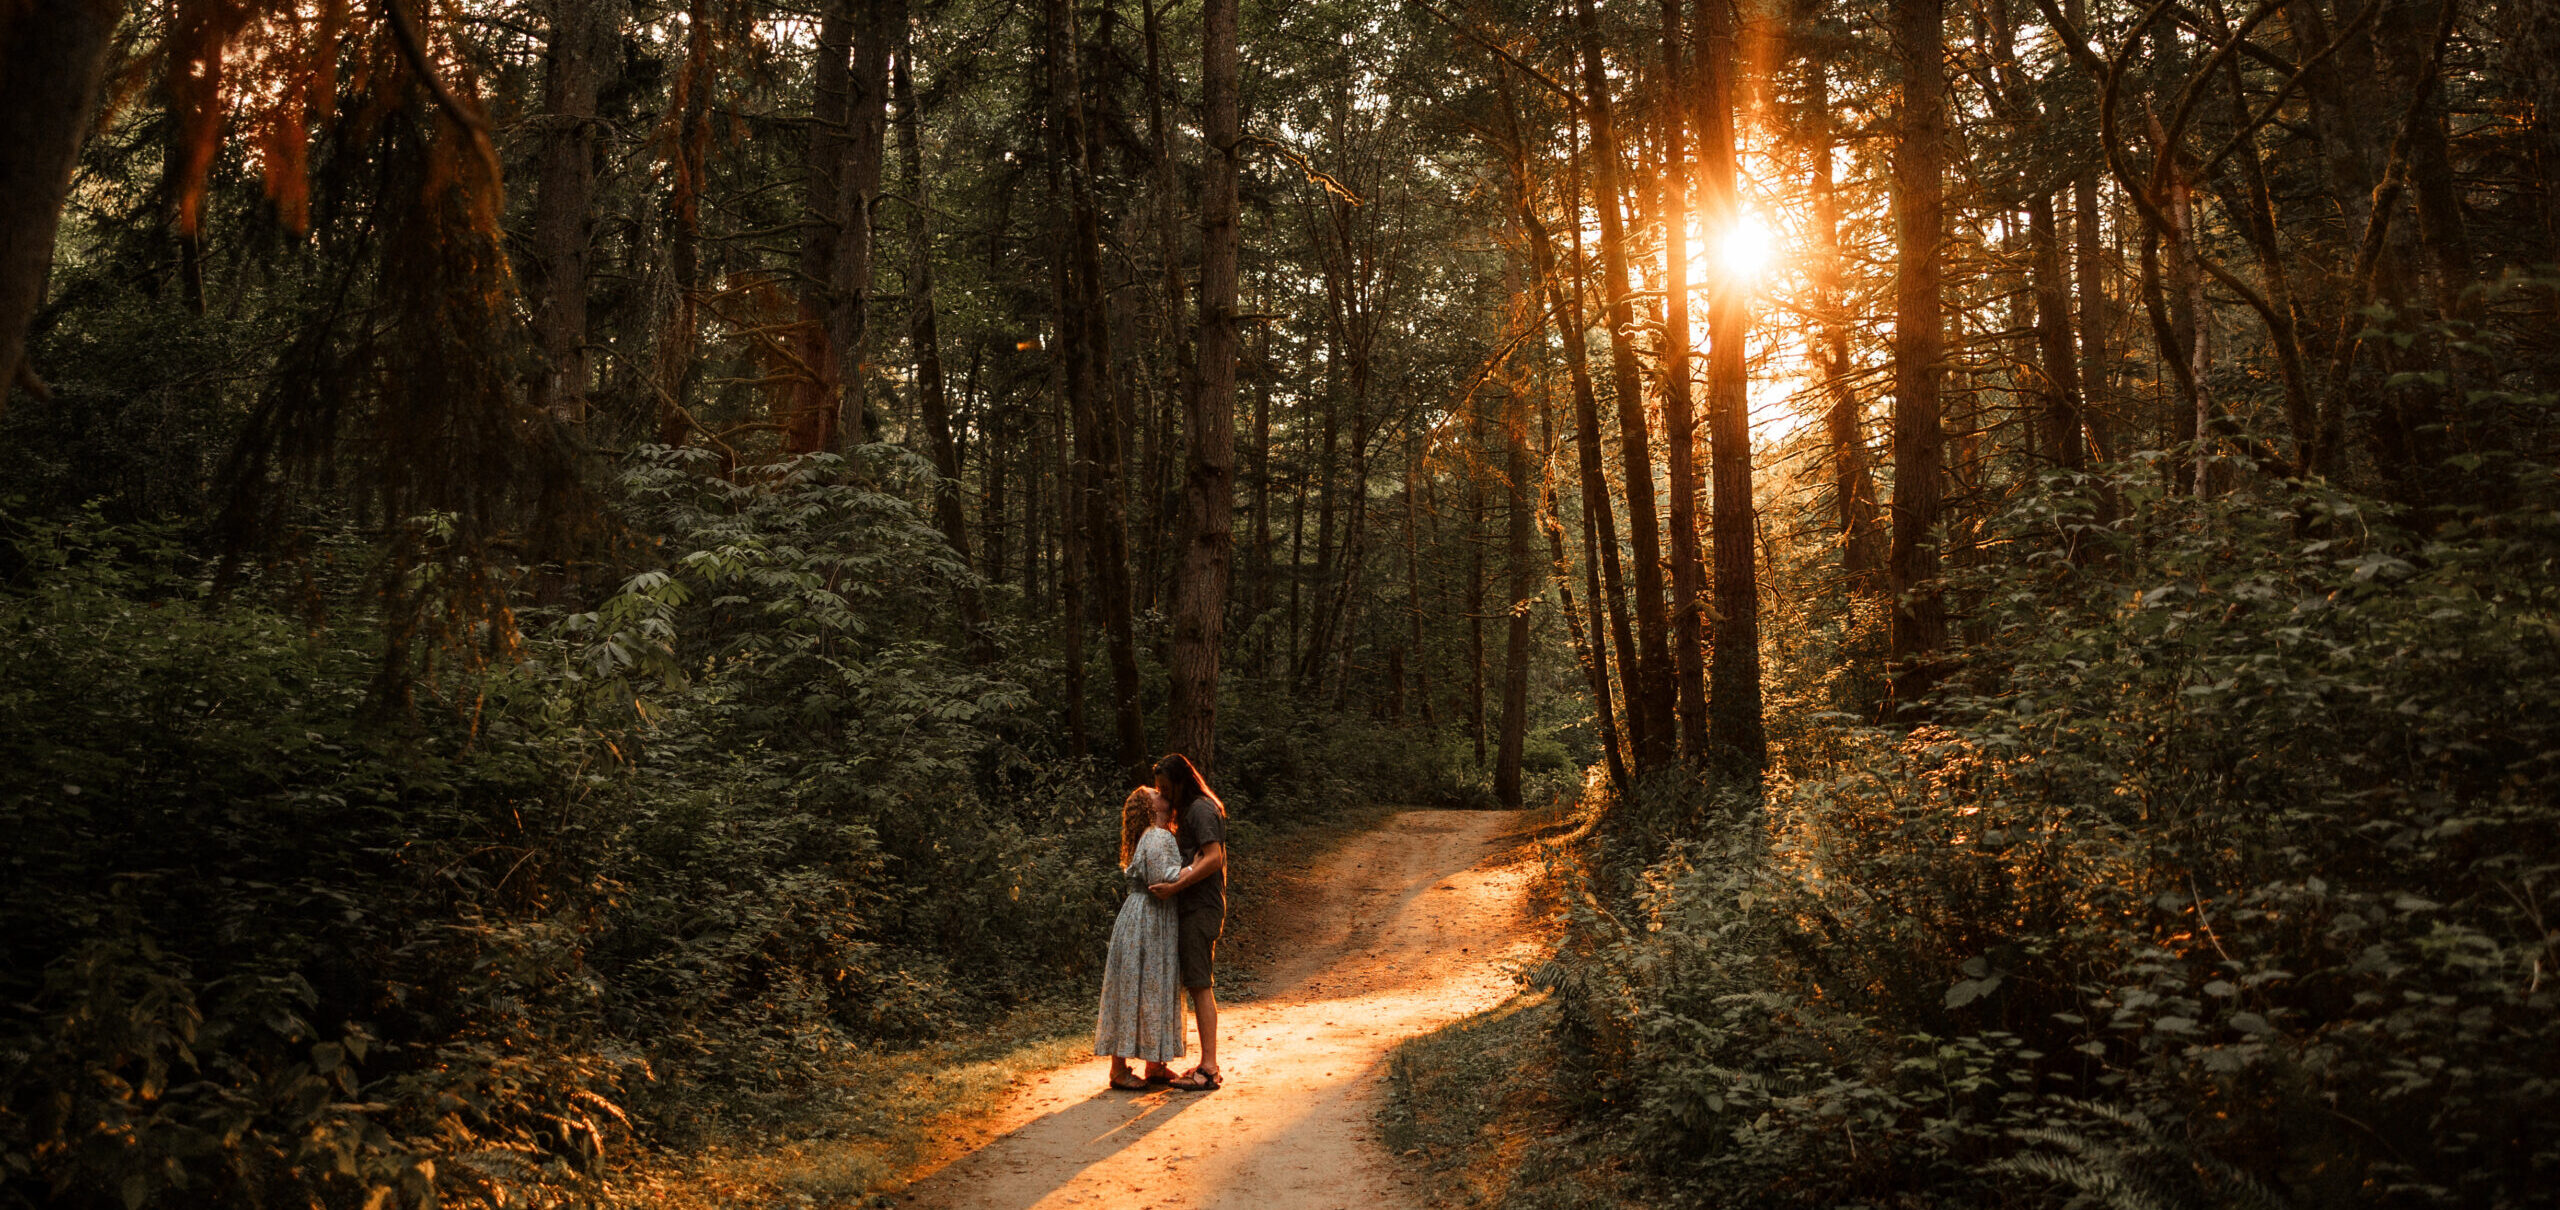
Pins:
x: 1262, y: 597
x: 1519, y: 603
x: 681, y: 335
x: 1586, y: 641
x: 2088, y: 273
x: 1919, y: 344
x: 1735, y: 733
x: 1600, y: 543
x: 2191, y: 315
x: 1067, y: 570
x: 2058, y: 383
x: 1100, y: 507
x: 1208, y: 497
x: 1413, y: 471
x: 53, y: 58
x: 1311, y: 655
x: 2408, y: 38
x: 1475, y: 545
x: 1076, y: 266
x: 1614, y: 745
x: 584, y: 45
x: 1297, y: 563
x: 809, y: 417
x: 1679, y: 418
x: 1355, y: 522
x: 995, y: 514
x: 880, y: 24
x: 924, y: 336
x: 1655, y: 694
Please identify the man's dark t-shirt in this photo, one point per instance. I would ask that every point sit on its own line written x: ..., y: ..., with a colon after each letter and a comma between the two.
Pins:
x: 1201, y: 825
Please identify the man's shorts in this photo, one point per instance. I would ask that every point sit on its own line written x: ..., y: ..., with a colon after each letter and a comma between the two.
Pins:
x: 1198, y: 946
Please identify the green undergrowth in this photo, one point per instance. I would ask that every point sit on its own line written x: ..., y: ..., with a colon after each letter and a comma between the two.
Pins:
x: 863, y: 1127
x: 1476, y: 1117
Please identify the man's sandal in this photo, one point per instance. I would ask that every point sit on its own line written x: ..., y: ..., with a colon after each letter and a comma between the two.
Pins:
x: 1196, y: 1080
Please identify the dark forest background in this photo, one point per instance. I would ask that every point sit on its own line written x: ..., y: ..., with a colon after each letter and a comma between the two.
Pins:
x: 567, y: 567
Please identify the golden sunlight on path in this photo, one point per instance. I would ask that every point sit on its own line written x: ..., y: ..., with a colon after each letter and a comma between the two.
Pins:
x: 1395, y: 933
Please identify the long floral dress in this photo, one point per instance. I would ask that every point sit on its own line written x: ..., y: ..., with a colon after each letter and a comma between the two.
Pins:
x: 1141, y: 1014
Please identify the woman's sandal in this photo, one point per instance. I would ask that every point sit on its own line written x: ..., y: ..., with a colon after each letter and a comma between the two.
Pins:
x: 1196, y: 1080
x: 1134, y: 1085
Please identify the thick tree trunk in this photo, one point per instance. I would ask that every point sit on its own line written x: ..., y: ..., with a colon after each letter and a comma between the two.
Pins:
x: 2088, y: 272
x: 1656, y: 697
x: 1736, y: 737
x: 1208, y: 496
x: 1919, y: 345
x: 1679, y: 418
x: 53, y: 58
x: 880, y: 25
x: 809, y: 411
x: 585, y: 45
x: 2058, y: 371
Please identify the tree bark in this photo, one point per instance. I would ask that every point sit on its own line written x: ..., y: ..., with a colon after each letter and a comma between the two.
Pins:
x: 2059, y: 370
x: 1655, y: 705
x: 880, y: 24
x: 585, y: 44
x: 1736, y: 735
x: 1919, y: 628
x: 1208, y: 497
x: 53, y: 59
x: 2088, y: 272
x: 1679, y: 418
x: 809, y: 413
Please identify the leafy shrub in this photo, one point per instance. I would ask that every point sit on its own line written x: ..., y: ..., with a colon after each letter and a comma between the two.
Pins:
x: 268, y: 939
x: 2222, y: 878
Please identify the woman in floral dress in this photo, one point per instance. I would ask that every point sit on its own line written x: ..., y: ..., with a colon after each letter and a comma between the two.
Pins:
x: 1141, y: 1013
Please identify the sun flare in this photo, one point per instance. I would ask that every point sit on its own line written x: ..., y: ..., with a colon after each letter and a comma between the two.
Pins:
x: 1746, y: 249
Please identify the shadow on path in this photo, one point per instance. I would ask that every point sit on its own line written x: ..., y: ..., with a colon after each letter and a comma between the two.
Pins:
x: 1083, y: 1134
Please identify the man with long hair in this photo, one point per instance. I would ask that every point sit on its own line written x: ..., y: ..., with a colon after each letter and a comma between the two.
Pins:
x: 1200, y: 893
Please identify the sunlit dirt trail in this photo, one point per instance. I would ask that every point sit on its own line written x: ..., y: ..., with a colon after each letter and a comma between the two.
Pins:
x: 1397, y: 932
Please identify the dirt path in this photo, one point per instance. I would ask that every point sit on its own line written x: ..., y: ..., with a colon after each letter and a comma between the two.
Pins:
x: 1397, y: 932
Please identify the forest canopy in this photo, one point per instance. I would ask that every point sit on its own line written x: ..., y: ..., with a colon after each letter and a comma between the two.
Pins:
x: 568, y: 566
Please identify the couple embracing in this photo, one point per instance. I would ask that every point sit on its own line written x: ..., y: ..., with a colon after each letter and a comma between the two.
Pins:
x: 1173, y: 856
